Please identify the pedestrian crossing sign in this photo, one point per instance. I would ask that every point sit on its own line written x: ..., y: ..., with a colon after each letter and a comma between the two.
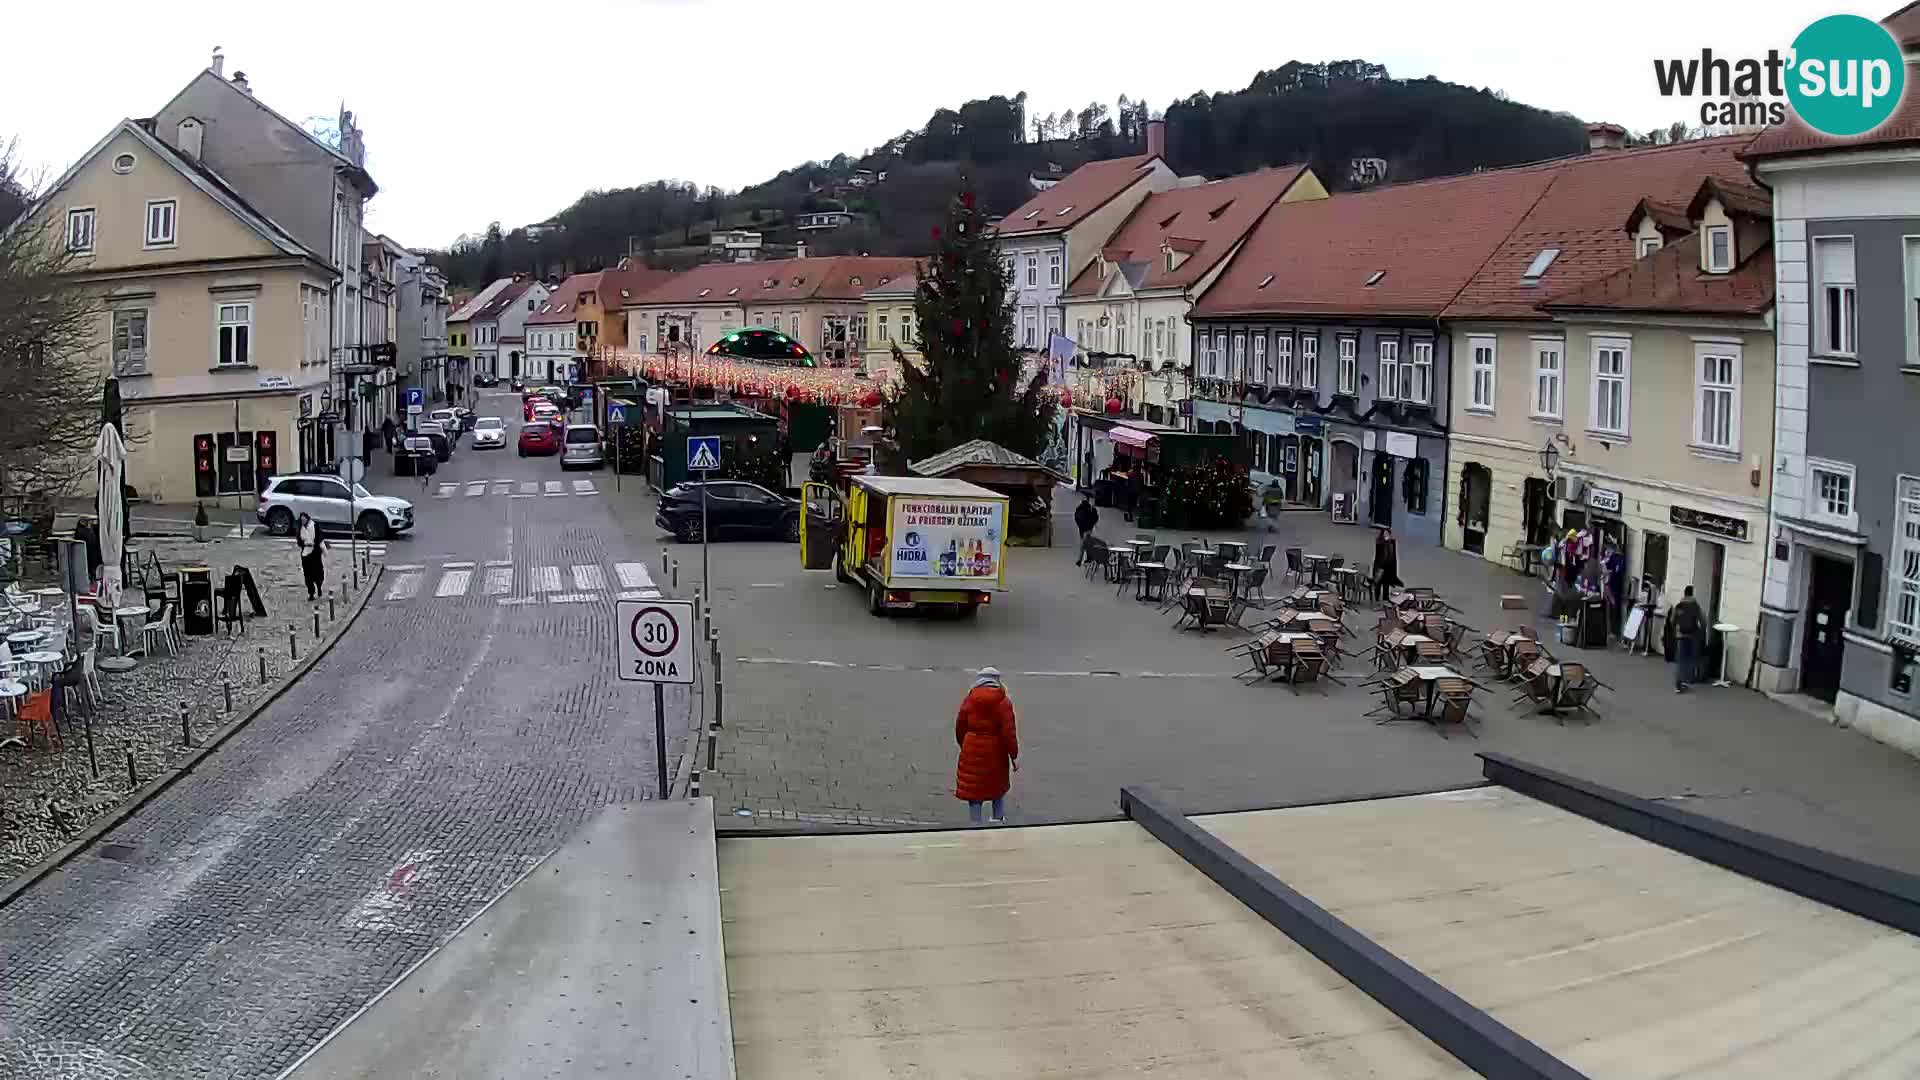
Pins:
x: 703, y: 453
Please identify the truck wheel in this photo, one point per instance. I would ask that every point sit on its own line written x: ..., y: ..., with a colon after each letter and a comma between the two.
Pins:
x: 840, y: 570
x: 969, y: 611
x: 876, y: 600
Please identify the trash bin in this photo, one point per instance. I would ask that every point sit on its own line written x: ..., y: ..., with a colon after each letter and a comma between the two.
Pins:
x: 196, y: 597
x: 1593, y: 623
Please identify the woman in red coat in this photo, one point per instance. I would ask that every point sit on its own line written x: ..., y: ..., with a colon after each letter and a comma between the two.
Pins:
x: 989, y: 747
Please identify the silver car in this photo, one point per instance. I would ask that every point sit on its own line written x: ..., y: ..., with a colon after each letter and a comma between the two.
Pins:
x: 333, y: 505
x: 489, y: 432
x: 580, y: 446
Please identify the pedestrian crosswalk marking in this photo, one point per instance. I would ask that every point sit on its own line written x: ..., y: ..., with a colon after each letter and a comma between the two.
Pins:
x: 530, y: 487
x: 405, y: 586
x: 546, y: 579
x: 476, y: 489
x: 633, y: 575
x: 585, y: 487
x: 501, y: 487
x: 397, y: 567
x: 456, y: 566
x: 588, y: 576
x: 554, y: 487
x: 573, y: 598
x: 499, y: 581
x: 641, y: 594
x: 453, y: 583
x: 446, y: 491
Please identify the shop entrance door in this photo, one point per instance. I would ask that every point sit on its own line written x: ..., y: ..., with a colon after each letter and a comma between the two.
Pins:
x: 1346, y: 480
x: 1537, y: 504
x: 1823, y: 646
x: 1312, y: 464
x: 1476, y: 492
x: 1382, y: 508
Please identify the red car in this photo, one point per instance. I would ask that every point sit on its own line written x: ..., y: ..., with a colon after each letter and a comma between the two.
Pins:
x: 539, y: 439
x: 527, y: 405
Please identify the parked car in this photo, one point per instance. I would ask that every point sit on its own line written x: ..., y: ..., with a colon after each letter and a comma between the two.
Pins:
x: 527, y: 405
x: 442, y: 442
x: 415, y: 457
x: 489, y: 433
x: 544, y: 413
x: 582, y: 448
x: 486, y: 380
x: 333, y: 506
x: 734, y: 508
x: 466, y: 417
x: 448, y: 419
x: 539, y: 439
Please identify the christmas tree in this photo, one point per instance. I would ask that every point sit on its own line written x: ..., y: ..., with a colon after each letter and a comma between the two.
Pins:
x: 968, y: 386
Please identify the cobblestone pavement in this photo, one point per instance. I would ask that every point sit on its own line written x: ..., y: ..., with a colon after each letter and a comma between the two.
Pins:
x: 838, y: 719
x: 139, y: 711
x: 436, y: 754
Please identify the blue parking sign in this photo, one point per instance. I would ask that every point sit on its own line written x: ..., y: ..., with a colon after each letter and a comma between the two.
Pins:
x: 703, y: 453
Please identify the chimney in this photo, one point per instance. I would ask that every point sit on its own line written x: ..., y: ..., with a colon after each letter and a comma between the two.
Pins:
x: 240, y: 80
x: 1157, y: 138
x: 219, y: 65
x: 800, y: 250
x: 1606, y: 137
x: 189, y: 140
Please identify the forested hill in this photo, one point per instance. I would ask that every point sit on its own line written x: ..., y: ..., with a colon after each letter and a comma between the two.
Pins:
x: 1333, y: 115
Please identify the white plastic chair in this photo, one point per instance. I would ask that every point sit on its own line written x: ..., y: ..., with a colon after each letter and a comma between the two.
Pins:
x: 93, y: 676
x: 159, y: 626
x: 106, y: 627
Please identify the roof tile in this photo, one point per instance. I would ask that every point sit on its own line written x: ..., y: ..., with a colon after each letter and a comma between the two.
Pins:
x: 1204, y: 222
x: 1078, y: 194
x: 775, y: 281
x: 563, y: 303
x: 1670, y: 281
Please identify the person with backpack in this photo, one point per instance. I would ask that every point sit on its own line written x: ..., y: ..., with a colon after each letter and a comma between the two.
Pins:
x: 1689, y: 625
x: 1085, y: 517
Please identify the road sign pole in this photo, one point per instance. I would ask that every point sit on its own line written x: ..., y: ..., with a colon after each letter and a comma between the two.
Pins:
x: 660, y: 738
x: 706, y: 539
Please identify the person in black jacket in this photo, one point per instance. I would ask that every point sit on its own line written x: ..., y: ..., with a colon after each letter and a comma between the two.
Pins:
x: 1085, y: 517
x: 1689, y: 626
x: 1386, y: 564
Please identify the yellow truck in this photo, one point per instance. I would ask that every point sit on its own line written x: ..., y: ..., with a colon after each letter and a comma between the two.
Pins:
x: 908, y: 541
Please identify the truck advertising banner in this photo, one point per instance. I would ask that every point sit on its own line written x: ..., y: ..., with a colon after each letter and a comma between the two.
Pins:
x: 947, y: 538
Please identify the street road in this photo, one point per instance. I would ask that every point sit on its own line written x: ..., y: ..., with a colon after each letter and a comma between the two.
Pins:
x: 459, y: 732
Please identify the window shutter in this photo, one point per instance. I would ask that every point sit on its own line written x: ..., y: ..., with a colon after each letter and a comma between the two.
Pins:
x: 1873, y: 570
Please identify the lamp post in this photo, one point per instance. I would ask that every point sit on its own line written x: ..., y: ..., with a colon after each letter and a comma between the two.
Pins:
x: 1549, y: 459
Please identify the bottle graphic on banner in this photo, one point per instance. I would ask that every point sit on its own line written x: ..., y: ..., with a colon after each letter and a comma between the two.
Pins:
x: 948, y: 559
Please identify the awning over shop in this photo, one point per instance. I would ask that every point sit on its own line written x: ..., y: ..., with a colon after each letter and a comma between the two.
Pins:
x: 1127, y: 436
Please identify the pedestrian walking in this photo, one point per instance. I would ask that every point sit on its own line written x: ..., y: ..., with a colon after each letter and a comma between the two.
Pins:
x: 387, y: 430
x: 1386, y: 564
x: 1689, y: 625
x: 989, y: 747
x: 312, y: 567
x: 1085, y: 517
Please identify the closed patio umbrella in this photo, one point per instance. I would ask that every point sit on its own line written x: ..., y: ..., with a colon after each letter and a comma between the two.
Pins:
x: 110, y: 468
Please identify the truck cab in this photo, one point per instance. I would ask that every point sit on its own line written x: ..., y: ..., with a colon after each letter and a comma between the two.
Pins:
x: 908, y: 542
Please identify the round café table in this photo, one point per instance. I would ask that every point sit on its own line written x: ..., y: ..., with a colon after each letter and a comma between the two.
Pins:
x: 11, y: 691
x: 1726, y: 631
x: 43, y: 661
x: 51, y: 592
x: 1236, y: 570
x: 26, y: 638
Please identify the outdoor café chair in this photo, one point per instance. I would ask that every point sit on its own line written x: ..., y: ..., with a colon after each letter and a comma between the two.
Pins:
x: 1455, y: 697
x: 1535, y: 686
x: 1522, y: 654
x: 1431, y: 652
x: 1266, y: 553
x: 1400, y: 698
x: 1295, y: 569
x: 159, y: 628
x: 1309, y: 664
x: 99, y: 628
x: 1579, y: 696
x: 36, y: 717
x: 1255, y: 590
x: 1096, y: 557
x: 1230, y: 550
x: 1495, y: 658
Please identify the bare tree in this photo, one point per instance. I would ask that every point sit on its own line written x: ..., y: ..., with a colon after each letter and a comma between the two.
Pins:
x: 50, y: 381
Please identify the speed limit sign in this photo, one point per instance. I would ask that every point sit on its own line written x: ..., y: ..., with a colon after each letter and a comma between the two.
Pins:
x: 656, y: 640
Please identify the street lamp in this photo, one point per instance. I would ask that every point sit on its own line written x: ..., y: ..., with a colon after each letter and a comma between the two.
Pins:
x: 1549, y: 457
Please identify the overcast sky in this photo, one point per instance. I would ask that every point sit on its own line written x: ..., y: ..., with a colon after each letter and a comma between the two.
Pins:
x: 479, y: 111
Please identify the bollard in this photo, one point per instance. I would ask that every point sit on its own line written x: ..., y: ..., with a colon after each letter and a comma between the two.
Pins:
x: 696, y: 607
x: 316, y: 622
x: 330, y: 612
x: 226, y: 687
x: 133, y: 774
x: 676, y: 575
x: 263, y: 665
x: 186, y: 731
x: 719, y: 693
x: 93, y: 761
x: 663, y: 560
x: 293, y: 645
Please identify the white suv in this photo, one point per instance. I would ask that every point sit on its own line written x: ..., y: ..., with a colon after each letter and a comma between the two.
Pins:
x: 332, y: 506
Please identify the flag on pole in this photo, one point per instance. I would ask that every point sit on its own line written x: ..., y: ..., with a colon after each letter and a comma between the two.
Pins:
x: 1060, y: 349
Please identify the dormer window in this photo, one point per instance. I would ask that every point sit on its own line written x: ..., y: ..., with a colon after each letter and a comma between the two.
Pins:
x: 1719, y: 244
x: 1168, y: 221
x: 1067, y: 209
x: 1264, y: 282
x: 735, y: 291
x: 1646, y: 245
x: 1538, y: 267
x: 704, y: 292
x: 1031, y: 214
x: 1214, y: 214
x: 856, y: 279
x: 769, y: 283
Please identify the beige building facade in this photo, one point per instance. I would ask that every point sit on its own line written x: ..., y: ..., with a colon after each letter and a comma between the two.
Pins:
x: 214, y: 320
x: 1655, y: 402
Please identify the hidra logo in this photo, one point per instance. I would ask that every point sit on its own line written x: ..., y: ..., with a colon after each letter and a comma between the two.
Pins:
x: 1843, y: 76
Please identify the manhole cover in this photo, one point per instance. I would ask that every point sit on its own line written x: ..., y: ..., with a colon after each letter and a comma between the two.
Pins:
x: 119, y: 852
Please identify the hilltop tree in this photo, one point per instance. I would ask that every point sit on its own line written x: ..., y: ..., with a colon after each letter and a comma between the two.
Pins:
x: 969, y: 385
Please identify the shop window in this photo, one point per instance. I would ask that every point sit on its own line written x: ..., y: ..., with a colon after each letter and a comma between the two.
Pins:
x: 234, y: 461
x: 1653, y: 560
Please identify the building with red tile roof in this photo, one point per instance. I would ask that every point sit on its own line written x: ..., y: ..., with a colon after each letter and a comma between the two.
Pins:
x: 1047, y: 241
x: 1134, y: 297
x: 814, y: 300
x: 498, y: 328
x: 562, y: 336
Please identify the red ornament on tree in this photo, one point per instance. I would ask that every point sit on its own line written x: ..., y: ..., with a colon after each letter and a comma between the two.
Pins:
x: 966, y: 199
x: 1114, y: 406
x: 1066, y: 399
x: 870, y: 400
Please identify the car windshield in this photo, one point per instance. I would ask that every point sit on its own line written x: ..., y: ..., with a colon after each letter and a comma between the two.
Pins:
x: 361, y: 493
x: 582, y: 435
x: 489, y: 422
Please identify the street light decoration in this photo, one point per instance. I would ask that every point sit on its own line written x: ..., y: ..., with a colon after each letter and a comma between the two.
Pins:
x: 764, y: 344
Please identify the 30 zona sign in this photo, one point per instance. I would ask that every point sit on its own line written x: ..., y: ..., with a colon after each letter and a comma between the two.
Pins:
x: 656, y: 640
